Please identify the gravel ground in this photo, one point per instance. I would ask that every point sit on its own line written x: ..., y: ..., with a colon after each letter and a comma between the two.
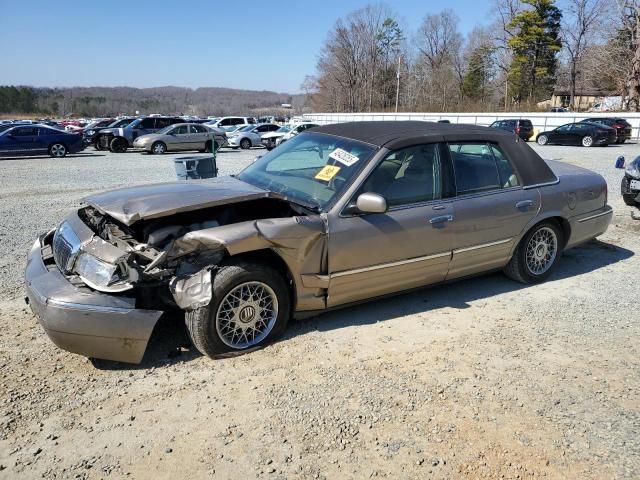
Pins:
x: 483, y: 378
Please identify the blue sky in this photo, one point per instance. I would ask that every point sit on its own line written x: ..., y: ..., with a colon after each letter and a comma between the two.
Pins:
x: 196, y: 43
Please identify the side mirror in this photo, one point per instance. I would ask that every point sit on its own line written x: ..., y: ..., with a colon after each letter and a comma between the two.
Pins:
x: 371, y: 203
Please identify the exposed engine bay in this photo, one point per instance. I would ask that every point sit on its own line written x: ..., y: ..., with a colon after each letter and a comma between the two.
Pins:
x: 145, y: 255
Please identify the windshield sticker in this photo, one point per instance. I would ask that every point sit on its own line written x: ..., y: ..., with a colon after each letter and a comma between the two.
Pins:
x: 343, y: 157
x: 327, y: 173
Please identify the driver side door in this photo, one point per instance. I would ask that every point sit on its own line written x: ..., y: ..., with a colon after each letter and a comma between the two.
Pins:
x: 409, y: 245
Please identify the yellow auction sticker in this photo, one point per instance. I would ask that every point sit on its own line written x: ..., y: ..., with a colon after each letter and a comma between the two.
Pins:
x: 327, y: 173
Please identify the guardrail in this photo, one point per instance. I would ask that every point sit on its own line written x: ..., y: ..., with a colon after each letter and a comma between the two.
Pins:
x: 541, y: 121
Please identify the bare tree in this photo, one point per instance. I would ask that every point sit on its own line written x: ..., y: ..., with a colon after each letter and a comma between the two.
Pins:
x: 579, y: 24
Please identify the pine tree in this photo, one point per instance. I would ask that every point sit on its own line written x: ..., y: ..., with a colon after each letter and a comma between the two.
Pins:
x: 535, y: 48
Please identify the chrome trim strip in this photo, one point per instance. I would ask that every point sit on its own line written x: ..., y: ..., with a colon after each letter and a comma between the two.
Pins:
x: 595, y: 216
x: 538, y: 185
x: 484, y: 245
x: 388, y: 265
x: 89, y: 308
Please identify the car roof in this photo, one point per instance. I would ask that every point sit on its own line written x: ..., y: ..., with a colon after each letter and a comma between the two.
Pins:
x: 392, y: 135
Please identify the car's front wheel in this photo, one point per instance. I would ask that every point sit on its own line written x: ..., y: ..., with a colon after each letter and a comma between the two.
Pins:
x: 537, y: 254
x: 250, y: 307
x: 158, y: 148
x: 542, y: 140
x: 587, y: 141
x: 57, y: 150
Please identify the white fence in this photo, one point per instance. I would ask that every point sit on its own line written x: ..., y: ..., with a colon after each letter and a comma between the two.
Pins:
x: 541, y: 121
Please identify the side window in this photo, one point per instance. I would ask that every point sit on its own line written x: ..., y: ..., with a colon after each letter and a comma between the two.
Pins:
x: 505, y: 170
x: 410, y: 175
x: 181, y: 130
x: 198, y: 129
x: 251, y: 120
x: 236, y: 121
x: 163, y: 122
x: 25, y: 132
x: 147, y: 123
x: 474, y: 168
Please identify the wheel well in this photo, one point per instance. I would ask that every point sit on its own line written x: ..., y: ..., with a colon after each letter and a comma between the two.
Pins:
x: 563, y: 223
x: 269, y: 257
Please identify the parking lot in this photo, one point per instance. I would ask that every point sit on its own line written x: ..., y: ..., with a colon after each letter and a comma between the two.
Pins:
x: 483, y: 378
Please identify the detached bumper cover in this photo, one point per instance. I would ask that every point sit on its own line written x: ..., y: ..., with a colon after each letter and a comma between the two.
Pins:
x: 85, y: 322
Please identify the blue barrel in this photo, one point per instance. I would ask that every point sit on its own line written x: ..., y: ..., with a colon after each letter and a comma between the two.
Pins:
x: 195, y: 168
x: 620, y: 162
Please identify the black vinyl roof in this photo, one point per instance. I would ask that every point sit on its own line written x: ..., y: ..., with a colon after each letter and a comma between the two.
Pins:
x: 531, y: 168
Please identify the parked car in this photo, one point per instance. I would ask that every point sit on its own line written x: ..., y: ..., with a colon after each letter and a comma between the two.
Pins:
x: 250, y: 135
x: 582, y: 133
x: 37, y: 140
x: 335, y: 216
x: 120, y: 139
x: 631, y: 184
x: 559, y: 109
x: 621, y: 126
x: 273, y: 139
x: 179, y: 137
x: 231, y: 121
x: 521, y: 127
x: 91, y: 134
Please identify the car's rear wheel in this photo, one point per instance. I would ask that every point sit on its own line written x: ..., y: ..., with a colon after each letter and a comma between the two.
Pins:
x: 245, y: 144
x: 158, y: 148
x: 250, y: 307
x: 118, y: 145
x: 57, y: 150
x: 587, y: 141
x: 97, y: 146
x: 537, y: 254
x: 542, y: 140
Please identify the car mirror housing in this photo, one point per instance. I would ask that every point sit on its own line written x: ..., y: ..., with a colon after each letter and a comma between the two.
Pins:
x: 371, y: 203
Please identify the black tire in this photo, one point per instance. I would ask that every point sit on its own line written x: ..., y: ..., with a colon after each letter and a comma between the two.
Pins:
x: 622, y: 140
x: 207, y: 147
x: 201, y: 323
x: 542, y: 140
x: 158, y: 148
x: 58, y: 150
x: 118, y: 145
x: 517, y: 268
x: 97, y: 146
x: 245, y: 144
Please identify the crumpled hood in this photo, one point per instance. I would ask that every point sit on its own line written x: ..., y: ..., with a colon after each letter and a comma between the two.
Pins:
x: 132, y: 204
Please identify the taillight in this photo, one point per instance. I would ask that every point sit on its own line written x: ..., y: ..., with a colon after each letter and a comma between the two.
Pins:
x: 618, y: 125
x: 517, y: 129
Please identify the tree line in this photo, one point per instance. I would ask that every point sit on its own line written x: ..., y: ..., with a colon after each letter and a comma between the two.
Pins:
x: 111, y: 101
x: 369, y: 62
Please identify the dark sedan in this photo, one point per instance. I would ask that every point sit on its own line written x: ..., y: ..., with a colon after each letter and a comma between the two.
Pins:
x: 621, y: 126
x: 521, y: 127
x: 92, y: 132
x: 582, y: 133
x: 37, y: 140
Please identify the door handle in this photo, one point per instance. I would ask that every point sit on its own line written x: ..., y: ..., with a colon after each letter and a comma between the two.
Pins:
x: 524, y: 204
x: 441, y: 219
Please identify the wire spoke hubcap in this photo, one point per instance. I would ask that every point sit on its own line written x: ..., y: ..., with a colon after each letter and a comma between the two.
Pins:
x: 247, y: 315
x: 541, y: 250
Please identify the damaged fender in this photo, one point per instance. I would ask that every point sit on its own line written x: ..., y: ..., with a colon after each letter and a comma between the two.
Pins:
x: 300, y: 241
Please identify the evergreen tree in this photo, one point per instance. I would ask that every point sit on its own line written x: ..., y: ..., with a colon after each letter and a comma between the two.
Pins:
x: 478, y: 74
x: 535, y: 48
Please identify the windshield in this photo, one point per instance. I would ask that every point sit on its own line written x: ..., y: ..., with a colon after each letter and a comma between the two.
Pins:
x: 306, y: 169
x: 165, y: 130
x: 284, y: 129
x: 246, y: 128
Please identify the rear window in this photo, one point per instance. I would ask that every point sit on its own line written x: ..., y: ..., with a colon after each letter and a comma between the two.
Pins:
x: 526, y: 123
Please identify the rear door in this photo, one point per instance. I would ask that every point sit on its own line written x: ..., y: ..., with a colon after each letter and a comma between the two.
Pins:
x: 199, y: 136
x: 490, y: 210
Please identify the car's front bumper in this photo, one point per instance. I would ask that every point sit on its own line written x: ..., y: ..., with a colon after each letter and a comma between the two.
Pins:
x: 627, y: 191
x: 83, y: 321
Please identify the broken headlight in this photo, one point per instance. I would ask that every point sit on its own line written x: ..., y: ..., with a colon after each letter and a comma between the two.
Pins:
x: 98, y: 274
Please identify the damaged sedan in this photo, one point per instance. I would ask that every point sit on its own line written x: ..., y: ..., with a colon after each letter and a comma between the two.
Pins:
x: 337, y: 215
